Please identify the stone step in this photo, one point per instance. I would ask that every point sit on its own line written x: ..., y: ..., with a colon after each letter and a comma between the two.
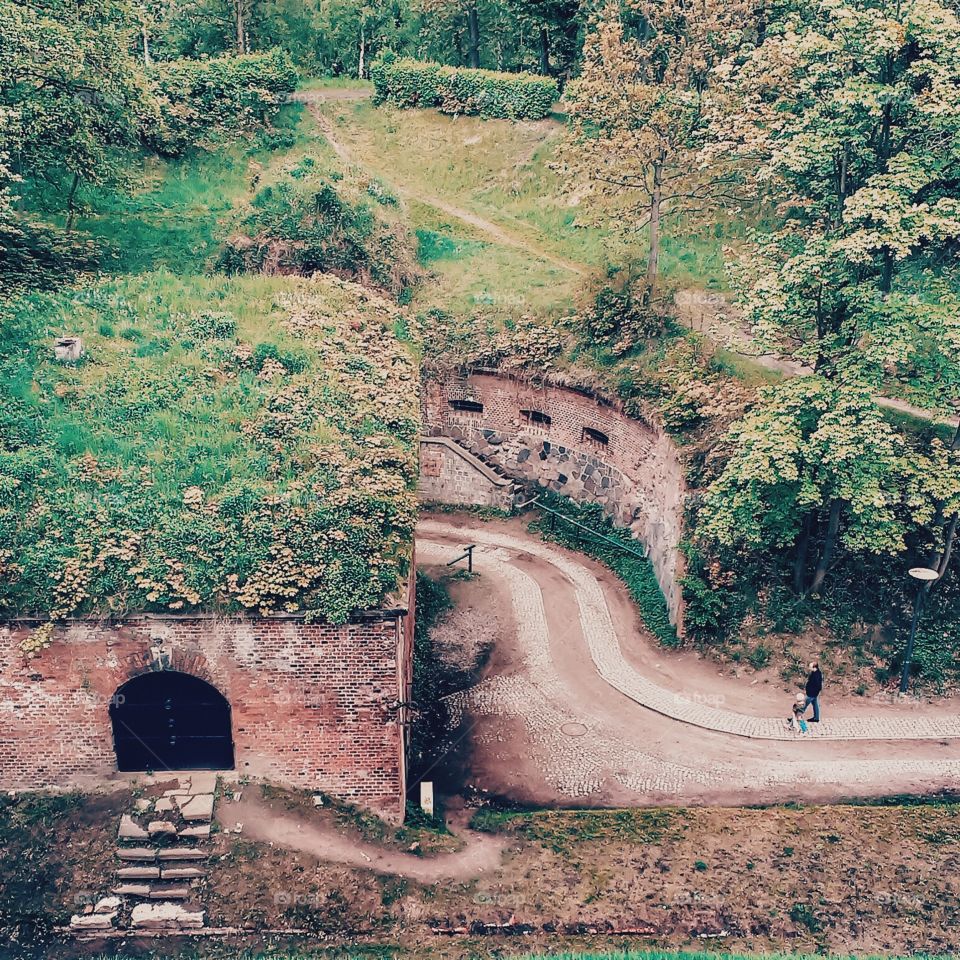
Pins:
x: 198, y: 831
x: 181, y: 853
x: 166, y: 917
x: 92, y: 921
x: 158, y: 891
x: 129, y: 830
x: 148, y: 854
x: 181, y: 873
x: 199, y: 807
x: 138, y: 873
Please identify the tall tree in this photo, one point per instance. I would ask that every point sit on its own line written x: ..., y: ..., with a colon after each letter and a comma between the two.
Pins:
x: 637, y: 113
x: 71, y: 87
x: 849, y: 114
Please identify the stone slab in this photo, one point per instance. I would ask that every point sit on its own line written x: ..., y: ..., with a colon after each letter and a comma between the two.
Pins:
x: 92, y: 921
x: 199, y: 807
x: 164, y: 805
x: 162, y: 916
x: 137, y: 853
x: 181, y: 853
x: 133, y: 889
x: 204, y: 782
x: 158, y: 827
x: 138, y: 873
x: 130, y: 830
x: 169, y: 893
x: 197, y: 831
x: 181, y: 873
x: 107, y: 905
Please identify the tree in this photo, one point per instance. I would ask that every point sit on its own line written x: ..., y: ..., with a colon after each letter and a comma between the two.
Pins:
x: 849, y: 116
x: 813, y: 467
x: 71, y: 88
x: 637, y: 113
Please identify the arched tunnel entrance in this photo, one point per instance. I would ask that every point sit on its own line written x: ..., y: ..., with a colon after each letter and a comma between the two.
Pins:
x: 171, y: 721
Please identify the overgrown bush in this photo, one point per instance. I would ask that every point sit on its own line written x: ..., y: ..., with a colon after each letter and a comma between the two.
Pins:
x: 305, y: 224
x: 622, y: 315
x: 200, y: 99
x: 485, y: 93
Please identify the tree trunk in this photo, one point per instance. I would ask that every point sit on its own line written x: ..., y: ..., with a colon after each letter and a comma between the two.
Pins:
x: 147, y: 59
x: 362, y: 65
x: 833, y: 525
x: 653, y: 254
x: 473, y: 36
x: 800, y: 558
x: 545, y: 51
x: 71, y: 203
x: 241, y: 26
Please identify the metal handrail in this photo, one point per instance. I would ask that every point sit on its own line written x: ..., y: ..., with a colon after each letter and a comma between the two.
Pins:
x: 535, y: 502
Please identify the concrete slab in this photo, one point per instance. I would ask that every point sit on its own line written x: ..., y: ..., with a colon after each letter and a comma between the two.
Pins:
x: 93, y: 921
x: 133, y: 889
x: 107, y: 905
x: 169, y: 893
x: 164, y: 805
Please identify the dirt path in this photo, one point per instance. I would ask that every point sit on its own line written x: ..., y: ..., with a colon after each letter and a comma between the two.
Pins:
x: 492, y: 230
x: 719, y: 320
x: 270, y: 823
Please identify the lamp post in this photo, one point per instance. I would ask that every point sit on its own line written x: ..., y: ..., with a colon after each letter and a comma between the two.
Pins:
x: 924, y: 576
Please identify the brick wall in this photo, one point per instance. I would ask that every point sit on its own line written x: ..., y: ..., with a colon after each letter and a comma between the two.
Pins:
x: 313, y: 705
x: 451, y: 474
x: 553, y: 437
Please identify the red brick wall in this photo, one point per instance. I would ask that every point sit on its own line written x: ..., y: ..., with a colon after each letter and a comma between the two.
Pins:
x: 636, y: 477
x: 313, y: 705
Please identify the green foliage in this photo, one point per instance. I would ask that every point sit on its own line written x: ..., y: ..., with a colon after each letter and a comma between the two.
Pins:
x: 260, y: 455
x: 512, y: 96
x: 202, y: 100
x: 308, y: 223
x: 621, y: 315
x: 634, y: 571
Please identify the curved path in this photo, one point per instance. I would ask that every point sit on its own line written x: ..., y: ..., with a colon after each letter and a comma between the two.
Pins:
x: 497, y: 233
x: 586, y: 724
x: 604, y: 646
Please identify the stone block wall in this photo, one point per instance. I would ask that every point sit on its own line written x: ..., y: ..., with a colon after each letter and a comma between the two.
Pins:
x: 577, y: 445
x: 451, y: 474
x: 313, y: 705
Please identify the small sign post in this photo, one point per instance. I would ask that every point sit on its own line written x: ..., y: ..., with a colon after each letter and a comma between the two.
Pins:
x: 426, y: 797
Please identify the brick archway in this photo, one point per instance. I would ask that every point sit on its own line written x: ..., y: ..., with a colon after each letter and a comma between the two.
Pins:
x: 171, y: 720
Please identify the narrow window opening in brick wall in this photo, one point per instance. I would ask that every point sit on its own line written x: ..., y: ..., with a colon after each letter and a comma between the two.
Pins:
x: 536, y: 418
x: 467, y: 406
x: 595, y: 436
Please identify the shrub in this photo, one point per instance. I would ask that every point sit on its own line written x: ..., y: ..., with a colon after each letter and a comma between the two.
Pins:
x: 305, y: 224
x: 230, y: 94
x: 512, y: 96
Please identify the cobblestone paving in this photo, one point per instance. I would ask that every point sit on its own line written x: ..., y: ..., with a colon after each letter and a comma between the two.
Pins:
x: 579, y: 766
x: 604, y: 647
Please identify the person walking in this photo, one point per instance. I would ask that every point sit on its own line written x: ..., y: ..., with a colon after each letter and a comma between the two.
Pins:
x: 812, y: 691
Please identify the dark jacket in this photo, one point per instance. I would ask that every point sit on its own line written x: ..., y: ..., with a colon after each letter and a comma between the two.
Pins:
x: 814, y: 683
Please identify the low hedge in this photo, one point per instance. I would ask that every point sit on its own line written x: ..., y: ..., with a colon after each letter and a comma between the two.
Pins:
x: 485, y: 93
x: 200, y: 98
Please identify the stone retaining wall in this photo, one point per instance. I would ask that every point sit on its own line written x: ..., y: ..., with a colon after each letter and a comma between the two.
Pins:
x: 576, y: 445
x: 451, y: 474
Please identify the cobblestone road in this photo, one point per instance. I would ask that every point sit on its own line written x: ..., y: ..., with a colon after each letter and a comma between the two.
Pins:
x: 580, y: 765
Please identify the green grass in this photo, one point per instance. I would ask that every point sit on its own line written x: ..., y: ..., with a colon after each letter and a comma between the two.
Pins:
x: 174, y: 465
x: 180, y: 211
